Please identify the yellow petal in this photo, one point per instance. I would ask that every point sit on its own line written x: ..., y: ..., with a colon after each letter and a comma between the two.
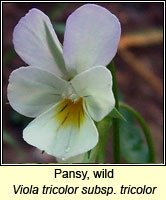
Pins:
x: 70, y: 113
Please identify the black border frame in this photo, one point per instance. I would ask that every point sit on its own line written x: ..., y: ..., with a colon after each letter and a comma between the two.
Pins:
x: 2, y: 92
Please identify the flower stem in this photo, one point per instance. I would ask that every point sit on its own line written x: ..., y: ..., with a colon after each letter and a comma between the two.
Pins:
x: 145, y: 129
x: 115, y: 121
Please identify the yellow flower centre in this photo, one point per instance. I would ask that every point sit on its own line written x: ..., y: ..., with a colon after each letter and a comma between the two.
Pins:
x: 70, y: 113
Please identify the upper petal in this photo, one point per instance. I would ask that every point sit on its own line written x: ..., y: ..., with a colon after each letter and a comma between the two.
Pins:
x: 47, y: 133
x: 95, y: 85
x: 91, y: 38
x: 37, y: 44
x: 32, y: 91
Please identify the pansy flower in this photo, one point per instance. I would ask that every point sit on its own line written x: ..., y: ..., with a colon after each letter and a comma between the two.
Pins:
x: 64, y: 88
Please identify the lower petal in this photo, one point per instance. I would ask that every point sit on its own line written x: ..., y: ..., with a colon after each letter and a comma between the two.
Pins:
x: 76, y: 159
x: 57, y: 134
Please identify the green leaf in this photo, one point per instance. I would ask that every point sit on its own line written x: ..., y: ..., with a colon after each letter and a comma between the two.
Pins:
x: 8, y: 56
x: 115, y: 121
x: 145, y: 130
x: 19, y: 120
x: 90, y: 156
x: 13, y: 143
x: 116, y: 114
x: 98, y: 153
x: 132, y: 146
x: 104, y: 131
x: 59, y: 28
x: 57, y: 11
x: 9, y: 139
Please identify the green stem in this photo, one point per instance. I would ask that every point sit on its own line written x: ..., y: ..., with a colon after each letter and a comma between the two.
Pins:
x: 145, y: 129
x: 115, y: 121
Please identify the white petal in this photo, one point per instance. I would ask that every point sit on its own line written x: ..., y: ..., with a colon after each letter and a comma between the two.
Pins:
x: 63, y: 142
x: 95, y: 85
x: 32, y: 91
x: 37, y: 44
x: 75, y: 159
x: 91, y: 38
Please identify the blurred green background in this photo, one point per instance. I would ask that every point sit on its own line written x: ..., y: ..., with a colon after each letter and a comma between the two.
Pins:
x: 139, y: 69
